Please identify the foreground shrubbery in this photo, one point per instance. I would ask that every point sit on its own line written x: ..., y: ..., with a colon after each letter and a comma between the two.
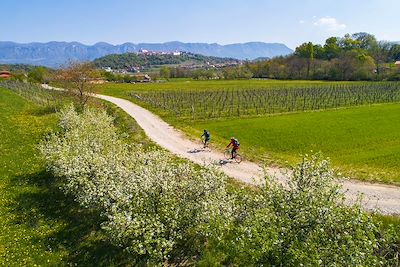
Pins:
x: 160, y: 209
x: 154, y: 206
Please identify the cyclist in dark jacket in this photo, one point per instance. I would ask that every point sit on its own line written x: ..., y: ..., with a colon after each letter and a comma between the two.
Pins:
x: 207, y: 137
x: 235, y: 146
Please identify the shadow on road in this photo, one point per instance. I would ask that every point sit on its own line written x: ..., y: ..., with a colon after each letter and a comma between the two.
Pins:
x: 198, y: 150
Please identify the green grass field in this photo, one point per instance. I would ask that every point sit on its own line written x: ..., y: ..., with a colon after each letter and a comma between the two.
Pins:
x: 363, y: 142
x: 39, y: 225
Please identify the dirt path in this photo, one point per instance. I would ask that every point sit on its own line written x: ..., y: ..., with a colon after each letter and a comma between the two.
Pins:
x: 384, y: 197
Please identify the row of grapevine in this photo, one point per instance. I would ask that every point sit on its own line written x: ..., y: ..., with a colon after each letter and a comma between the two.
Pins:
x: 34, y: 93
x: 199, y: 104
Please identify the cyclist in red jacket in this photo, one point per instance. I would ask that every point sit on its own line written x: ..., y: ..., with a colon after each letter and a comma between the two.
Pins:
x: 235, y: 146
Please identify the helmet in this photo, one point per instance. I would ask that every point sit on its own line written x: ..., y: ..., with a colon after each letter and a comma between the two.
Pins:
x: 232, y: 138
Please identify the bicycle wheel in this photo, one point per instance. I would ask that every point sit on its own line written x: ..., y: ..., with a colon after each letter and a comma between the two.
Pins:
x: 238, y: 158
x: 227, y: 154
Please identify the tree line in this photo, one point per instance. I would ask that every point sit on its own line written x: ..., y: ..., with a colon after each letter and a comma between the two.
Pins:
x: 359, y: 56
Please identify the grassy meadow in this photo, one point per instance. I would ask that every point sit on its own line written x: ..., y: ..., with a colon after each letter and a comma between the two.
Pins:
x: 39, y: 224
x: 362, y: 141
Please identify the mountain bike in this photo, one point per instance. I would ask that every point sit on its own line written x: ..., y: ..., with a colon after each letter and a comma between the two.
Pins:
x: 205, y: 142
x: 236, y: 156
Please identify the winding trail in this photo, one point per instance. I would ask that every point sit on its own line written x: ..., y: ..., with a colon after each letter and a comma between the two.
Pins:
x: 386, y: 198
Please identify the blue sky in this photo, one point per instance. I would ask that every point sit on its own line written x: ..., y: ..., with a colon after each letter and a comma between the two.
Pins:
x: 213, y: 21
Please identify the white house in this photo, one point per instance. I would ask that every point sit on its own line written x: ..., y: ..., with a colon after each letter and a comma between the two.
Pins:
x: 397, y: 63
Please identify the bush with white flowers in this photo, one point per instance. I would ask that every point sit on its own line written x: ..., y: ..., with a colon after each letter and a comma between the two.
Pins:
x: 154, y: 205
x: 303, y: 223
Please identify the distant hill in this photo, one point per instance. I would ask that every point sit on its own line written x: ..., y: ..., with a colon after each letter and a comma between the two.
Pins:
x: 54, y: 54
x: 16, y: 67
x: 146, y: 60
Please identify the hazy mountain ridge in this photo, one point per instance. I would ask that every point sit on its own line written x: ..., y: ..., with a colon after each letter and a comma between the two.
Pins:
x: 57, y: 53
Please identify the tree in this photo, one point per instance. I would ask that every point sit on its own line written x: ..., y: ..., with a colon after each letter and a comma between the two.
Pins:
x: 394, y: 52
x: 77, y: 79
x: 366, y: 41
x: 306, y: 50
x: 165, y: 72
x: 240, y: 72
x: 295, y: 67
x: 331, y: 48
x: 347, y: 43
x: 38, y: 74
x: 380, y: 53
x: 318, y: 51
x: 352, y: 65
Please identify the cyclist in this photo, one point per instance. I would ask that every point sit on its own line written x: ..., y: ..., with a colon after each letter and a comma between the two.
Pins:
x: 207, y: 137
x: 235, y: 146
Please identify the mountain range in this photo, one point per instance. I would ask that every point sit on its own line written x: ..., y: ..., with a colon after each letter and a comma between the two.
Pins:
x: 54, y: 54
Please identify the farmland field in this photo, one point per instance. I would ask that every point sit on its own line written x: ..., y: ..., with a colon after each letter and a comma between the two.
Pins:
x: 361, y: 139
x: 203, y: 104
x: 118, y: 89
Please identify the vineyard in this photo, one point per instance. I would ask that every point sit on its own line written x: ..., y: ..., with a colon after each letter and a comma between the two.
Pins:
x: 34, y: 93
x: 201, y: 104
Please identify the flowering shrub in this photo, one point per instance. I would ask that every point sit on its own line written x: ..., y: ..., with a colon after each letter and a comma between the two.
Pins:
x: 153, y: 205
x: 305, y: 222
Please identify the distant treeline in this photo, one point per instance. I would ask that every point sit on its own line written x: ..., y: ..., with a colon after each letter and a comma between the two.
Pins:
x: 353, y: 57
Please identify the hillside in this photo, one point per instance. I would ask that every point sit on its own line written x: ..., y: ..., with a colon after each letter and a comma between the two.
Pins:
x: 16, y: 67
x: 132, y: 60
x: 54, y: 54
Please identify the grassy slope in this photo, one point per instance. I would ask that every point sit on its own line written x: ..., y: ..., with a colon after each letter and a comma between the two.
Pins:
x: 23, y: 227
x: 39, y: 225
x: 362, y: 141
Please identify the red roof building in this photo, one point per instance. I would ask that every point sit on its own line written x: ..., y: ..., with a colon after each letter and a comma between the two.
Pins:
x: 5, y: 74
